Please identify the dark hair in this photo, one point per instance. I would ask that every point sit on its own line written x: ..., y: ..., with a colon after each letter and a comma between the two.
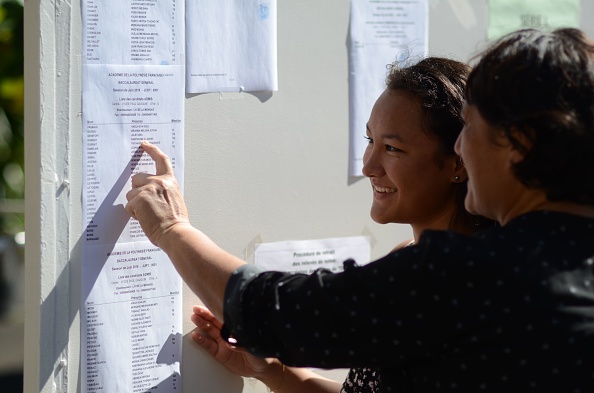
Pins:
x: 541, y: 84
x: 438, y: 83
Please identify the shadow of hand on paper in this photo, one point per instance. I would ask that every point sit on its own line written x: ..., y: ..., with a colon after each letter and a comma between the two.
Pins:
x: 198, y: 368
x: 171, y: 351
x: 171, y: 384
x: 63, y: 303
x: 107, y: 225
x: 169, y: 354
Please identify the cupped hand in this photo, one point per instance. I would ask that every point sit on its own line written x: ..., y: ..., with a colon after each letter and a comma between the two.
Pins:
x: 236, y: 360
x: 156, y: 200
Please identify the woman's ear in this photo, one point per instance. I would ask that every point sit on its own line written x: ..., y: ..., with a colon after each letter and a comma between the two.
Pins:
x: 523, y: 144
x: 459, y: 171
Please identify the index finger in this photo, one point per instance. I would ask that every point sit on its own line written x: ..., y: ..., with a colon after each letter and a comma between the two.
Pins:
x: 207, y: 315
x: 162, y: 161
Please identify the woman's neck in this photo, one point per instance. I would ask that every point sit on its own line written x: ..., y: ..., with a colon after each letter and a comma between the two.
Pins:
x: 536, y: 200
x: 447, y: 221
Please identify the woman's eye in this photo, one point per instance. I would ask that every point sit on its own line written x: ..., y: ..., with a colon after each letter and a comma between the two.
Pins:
x: 369, y: 139
x: 393, y: 149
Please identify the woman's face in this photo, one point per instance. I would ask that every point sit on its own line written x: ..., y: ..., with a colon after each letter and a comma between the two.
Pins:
x: 488, y: 158
x: 400, y: 160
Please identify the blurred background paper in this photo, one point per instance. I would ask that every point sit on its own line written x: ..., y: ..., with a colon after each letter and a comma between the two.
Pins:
x: 306, y: 256
x: 380, y: 33
x: 231, y: 46
x: 506, y: 16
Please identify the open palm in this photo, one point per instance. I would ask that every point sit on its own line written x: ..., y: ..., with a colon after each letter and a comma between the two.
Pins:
x: 234, y: 359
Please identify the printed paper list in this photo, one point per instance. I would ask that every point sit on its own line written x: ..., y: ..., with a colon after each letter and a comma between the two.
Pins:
x: 381, y: 32
x: 133, y: 90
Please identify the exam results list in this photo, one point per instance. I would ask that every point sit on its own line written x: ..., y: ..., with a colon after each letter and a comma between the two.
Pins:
x: 132, y: 90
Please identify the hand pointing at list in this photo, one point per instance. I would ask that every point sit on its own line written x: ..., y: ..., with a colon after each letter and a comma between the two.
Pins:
x: 156, y: 202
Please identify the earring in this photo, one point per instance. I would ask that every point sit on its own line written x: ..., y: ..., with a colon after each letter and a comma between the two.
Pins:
x: 456, y: 178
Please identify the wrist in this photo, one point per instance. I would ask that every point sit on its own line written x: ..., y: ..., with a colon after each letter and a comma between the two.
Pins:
x: 273, y: 376
x: 169, y: 235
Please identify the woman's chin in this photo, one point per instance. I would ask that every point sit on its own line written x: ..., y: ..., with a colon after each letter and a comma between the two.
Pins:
x: 380, y: 219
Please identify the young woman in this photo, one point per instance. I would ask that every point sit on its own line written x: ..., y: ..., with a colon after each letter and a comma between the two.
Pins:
x: 416, y: 179
x: 510, y: 309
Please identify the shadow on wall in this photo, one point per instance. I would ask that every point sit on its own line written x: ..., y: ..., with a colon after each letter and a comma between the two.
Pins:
x: 63, y: 303
x: 60, y: 307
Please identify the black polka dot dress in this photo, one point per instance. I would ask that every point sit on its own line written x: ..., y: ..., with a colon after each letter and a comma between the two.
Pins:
x: 510, y: 309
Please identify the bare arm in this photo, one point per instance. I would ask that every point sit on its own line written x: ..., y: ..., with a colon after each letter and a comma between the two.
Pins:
x: 298, y: 380
x: 156, y: 202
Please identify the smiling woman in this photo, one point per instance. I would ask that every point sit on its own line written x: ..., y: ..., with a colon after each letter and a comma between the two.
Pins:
x: 531, y: 111
x: 408, y: 186
x: 416, y: 177
x: 509, y: 309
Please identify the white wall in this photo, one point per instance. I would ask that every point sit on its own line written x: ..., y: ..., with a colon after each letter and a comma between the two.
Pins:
x: 259, y: 167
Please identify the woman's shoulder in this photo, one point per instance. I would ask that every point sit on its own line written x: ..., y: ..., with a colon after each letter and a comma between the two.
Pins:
x: 405, y: 243
x: 536, y: 236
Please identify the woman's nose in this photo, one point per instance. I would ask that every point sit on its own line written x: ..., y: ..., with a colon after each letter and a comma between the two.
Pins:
x: 370, y: 162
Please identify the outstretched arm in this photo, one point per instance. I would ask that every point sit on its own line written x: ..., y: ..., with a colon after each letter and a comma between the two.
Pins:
x: 156, y: 202
x: 278, y: 377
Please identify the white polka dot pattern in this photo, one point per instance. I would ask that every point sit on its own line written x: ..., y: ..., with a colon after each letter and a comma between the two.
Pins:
x: 508, y: 310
